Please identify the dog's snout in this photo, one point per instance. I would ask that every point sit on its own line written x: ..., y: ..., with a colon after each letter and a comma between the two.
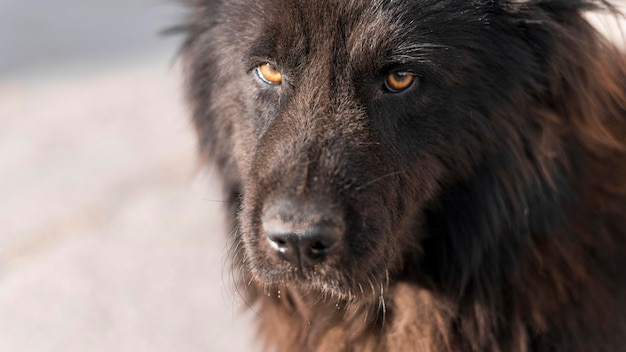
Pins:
x: 302, y: 234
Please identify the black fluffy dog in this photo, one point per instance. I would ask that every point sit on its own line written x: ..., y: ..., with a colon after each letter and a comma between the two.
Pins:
x: 419, y: 175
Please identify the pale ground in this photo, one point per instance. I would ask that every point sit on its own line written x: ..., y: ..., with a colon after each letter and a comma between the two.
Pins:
x: 108, y: 240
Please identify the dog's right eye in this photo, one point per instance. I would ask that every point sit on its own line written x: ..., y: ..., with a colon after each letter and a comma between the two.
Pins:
x: 398, y: 81
x: 268, y: 74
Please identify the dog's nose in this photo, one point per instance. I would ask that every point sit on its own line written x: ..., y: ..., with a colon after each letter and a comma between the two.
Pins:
x: 302, y: 235
x: 302, y: 248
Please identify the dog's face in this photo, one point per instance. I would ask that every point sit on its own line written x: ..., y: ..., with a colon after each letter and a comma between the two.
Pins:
x: 340, y: 122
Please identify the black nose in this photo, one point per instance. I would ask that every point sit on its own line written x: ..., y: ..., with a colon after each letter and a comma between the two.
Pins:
x: 303, y: 235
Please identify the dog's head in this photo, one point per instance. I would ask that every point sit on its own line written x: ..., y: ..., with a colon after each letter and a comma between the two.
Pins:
x: 341, y: 125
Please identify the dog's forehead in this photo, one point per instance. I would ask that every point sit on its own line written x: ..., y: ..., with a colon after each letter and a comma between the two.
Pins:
x: 372, y: 29
x: 352, y: 28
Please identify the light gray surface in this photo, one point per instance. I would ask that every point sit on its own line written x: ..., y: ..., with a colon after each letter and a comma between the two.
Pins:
x: 44, y: 34
x: 106, y: 241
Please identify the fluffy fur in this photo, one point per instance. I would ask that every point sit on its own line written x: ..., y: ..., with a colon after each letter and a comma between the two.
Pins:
x: 481, y: 209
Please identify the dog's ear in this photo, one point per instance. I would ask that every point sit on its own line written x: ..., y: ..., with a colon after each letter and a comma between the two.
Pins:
x: 556, y: 8
x: 200, y: 15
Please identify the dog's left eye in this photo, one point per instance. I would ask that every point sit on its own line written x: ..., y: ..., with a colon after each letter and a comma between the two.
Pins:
x: 398, y: 81
x: 268, y: 74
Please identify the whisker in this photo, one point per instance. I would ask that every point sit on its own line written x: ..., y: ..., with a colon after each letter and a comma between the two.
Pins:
x: 381, y: 304
x: 372, y: 286
x: 366, y: 315
x: 217, y: 200
x: 360, y: 188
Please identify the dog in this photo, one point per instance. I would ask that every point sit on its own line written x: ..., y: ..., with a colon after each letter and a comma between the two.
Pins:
x: 418, y: 175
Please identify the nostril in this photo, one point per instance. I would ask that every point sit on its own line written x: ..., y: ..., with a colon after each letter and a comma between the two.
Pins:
x: 278, y: 241
x: 322, y: 243
x: 318, y: 247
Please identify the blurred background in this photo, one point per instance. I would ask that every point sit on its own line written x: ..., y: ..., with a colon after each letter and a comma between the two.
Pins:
x: 110, y: 234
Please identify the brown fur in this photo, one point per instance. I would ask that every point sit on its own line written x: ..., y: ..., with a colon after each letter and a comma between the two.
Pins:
x: 484, y: 209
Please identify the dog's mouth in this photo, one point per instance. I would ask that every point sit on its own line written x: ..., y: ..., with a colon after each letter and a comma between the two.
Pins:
x: 323, y: 280
x: 310, y: 246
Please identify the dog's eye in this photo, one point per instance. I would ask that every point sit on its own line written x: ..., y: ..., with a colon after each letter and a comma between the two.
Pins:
x: 268, y: 74
x: 399, y: 81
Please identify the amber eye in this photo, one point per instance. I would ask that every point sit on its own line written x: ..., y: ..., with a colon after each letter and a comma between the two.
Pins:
x: 399, y: 81
x: 269, y: 74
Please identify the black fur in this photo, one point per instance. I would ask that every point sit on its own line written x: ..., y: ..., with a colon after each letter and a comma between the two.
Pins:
x: 491, y: 193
